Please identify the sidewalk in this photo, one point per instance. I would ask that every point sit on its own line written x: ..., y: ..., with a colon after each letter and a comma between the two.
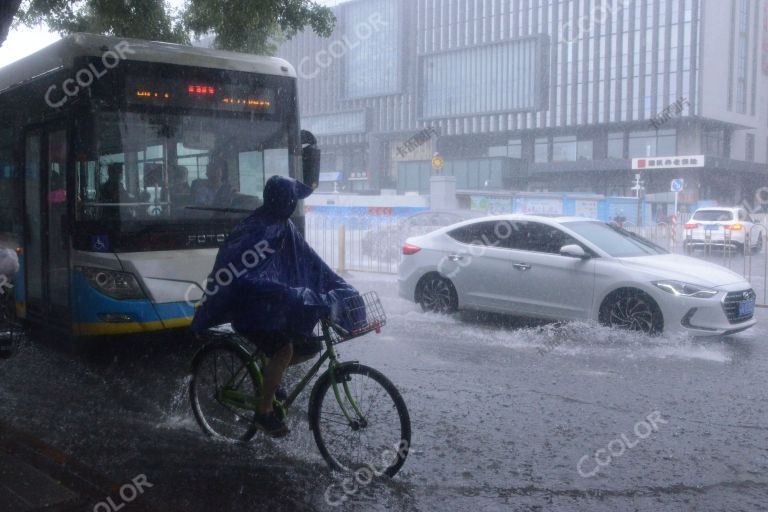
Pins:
x: 35, y: 476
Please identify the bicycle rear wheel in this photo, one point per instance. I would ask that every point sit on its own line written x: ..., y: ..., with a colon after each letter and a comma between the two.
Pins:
x: 377, y: 435
x: 224, y: 392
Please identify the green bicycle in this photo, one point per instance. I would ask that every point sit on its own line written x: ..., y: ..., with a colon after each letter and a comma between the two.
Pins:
x: 357, y: 416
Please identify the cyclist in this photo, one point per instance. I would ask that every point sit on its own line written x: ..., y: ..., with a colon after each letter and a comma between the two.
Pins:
x: 273, y: 288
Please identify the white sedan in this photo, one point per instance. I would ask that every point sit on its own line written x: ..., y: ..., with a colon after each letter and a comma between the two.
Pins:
x: 722, y: 227
x: 572, y: 268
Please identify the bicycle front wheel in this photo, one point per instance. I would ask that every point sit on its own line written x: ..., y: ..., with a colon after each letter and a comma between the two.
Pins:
x: 224, y: 392
x: 365, y: 426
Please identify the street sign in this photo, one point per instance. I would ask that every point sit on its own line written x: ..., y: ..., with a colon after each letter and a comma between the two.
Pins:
x: 677, y: 185
x: 669, y: 162
x: 438, y: 162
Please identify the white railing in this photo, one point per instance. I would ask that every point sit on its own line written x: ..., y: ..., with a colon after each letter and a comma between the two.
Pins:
x: 364, y: 243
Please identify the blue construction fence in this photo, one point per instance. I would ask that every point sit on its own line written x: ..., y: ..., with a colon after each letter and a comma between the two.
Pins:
x: 360, y: 217
x: 579, y: 205
x: 566, y: 204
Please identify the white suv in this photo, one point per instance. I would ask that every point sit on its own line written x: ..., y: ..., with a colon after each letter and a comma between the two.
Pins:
x: 722, y: 227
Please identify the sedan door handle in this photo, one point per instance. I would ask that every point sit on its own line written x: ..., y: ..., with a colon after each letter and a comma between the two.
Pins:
x: 455, y: 257
x: 522, y: 267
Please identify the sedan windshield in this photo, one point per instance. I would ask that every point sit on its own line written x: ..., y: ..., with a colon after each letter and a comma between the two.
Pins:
x: 615, y: 241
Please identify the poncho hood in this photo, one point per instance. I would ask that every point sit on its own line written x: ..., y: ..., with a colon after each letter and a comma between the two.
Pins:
x: 267, y: 277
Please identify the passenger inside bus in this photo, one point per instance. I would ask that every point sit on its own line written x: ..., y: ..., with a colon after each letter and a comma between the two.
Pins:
x: 113, y: 190
x: 216, y: 190
x: 179, y: 181
x: 179, y: 191
x: 58, y: 191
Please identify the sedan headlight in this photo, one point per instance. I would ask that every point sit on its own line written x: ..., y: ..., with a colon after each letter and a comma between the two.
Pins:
x: 685, y: 289
x: 118, y: 285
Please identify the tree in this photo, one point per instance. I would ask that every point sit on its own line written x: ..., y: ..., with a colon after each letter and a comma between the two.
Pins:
x: 251, y: 26
x: 8, y: 9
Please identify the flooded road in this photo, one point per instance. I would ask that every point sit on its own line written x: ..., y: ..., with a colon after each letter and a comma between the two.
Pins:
x: 506, y: 416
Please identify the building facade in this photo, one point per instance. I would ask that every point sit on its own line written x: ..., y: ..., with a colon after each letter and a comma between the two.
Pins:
x: 578, y: 95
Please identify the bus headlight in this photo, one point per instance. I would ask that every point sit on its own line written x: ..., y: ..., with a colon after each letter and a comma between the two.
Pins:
x: 685, y: 289
x: 118, y: 285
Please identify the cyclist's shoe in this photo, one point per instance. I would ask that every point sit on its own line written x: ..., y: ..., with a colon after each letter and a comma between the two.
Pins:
x: 271, y: 424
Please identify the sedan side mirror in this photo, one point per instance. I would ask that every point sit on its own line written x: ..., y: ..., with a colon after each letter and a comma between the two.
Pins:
x: 310, y: 159
x: 574, y: 251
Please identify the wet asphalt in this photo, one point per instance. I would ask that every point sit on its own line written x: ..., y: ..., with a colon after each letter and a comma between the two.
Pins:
x: 506, y: 414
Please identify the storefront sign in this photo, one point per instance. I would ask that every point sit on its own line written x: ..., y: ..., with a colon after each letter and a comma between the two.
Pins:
x: 668, y: 162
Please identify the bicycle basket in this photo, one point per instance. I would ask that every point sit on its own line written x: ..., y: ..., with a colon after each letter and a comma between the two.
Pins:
x: 360, y: 315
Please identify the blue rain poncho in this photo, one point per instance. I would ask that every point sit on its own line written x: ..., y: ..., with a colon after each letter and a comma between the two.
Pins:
x: 267, y: 277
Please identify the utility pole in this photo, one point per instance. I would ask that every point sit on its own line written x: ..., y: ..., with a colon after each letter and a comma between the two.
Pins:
x: 638, y: 187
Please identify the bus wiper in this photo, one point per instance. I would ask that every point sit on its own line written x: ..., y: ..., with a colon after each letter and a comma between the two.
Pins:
x: 219, y: 210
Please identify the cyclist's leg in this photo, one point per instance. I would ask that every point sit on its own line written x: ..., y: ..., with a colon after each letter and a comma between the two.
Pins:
x: 273, y: 374
x: 304, y: 349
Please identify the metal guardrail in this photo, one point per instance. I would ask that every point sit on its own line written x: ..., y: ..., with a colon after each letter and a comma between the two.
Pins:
x: 364, y: 243
x: 752, y: 262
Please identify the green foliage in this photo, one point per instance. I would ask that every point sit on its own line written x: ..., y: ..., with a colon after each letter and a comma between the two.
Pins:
x: 252, y: 26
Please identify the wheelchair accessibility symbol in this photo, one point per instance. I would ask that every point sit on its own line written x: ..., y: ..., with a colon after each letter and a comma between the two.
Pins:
x: 100, y: 243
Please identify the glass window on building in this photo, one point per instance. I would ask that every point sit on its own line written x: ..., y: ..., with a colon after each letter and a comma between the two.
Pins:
x: 653, y: 143
x: 541, y: 150
x: 713, y: 142
x: 750, y: 148
x: 616, y: 145
x: 494, y: 78
x: 514, y: 149
x: 371, y: 59
x: 584, y: 149
x: 564, y: 149
x: 642, y: 144
x: 666, y: 144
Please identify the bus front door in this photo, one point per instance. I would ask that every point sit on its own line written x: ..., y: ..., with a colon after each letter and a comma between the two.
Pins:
x: 46, y: 251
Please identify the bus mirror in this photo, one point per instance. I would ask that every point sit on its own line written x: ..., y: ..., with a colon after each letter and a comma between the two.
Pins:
x: 310, y: 156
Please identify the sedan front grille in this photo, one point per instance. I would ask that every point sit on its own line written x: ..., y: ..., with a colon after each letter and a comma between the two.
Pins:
x: 731, y: 305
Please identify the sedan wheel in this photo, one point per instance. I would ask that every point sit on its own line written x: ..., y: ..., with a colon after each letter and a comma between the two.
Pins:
x: 437, y: 295
x: 633, y: 312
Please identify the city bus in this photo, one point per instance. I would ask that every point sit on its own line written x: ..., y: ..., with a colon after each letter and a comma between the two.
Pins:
x: 124, y: 165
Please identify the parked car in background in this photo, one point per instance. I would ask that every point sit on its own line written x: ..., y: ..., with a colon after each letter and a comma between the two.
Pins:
x: 569, y: 268
x: 723, y: 227
x: 385, y: 241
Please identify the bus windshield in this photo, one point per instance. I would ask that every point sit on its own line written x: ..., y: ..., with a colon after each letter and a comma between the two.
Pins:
x: 167, y: 167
